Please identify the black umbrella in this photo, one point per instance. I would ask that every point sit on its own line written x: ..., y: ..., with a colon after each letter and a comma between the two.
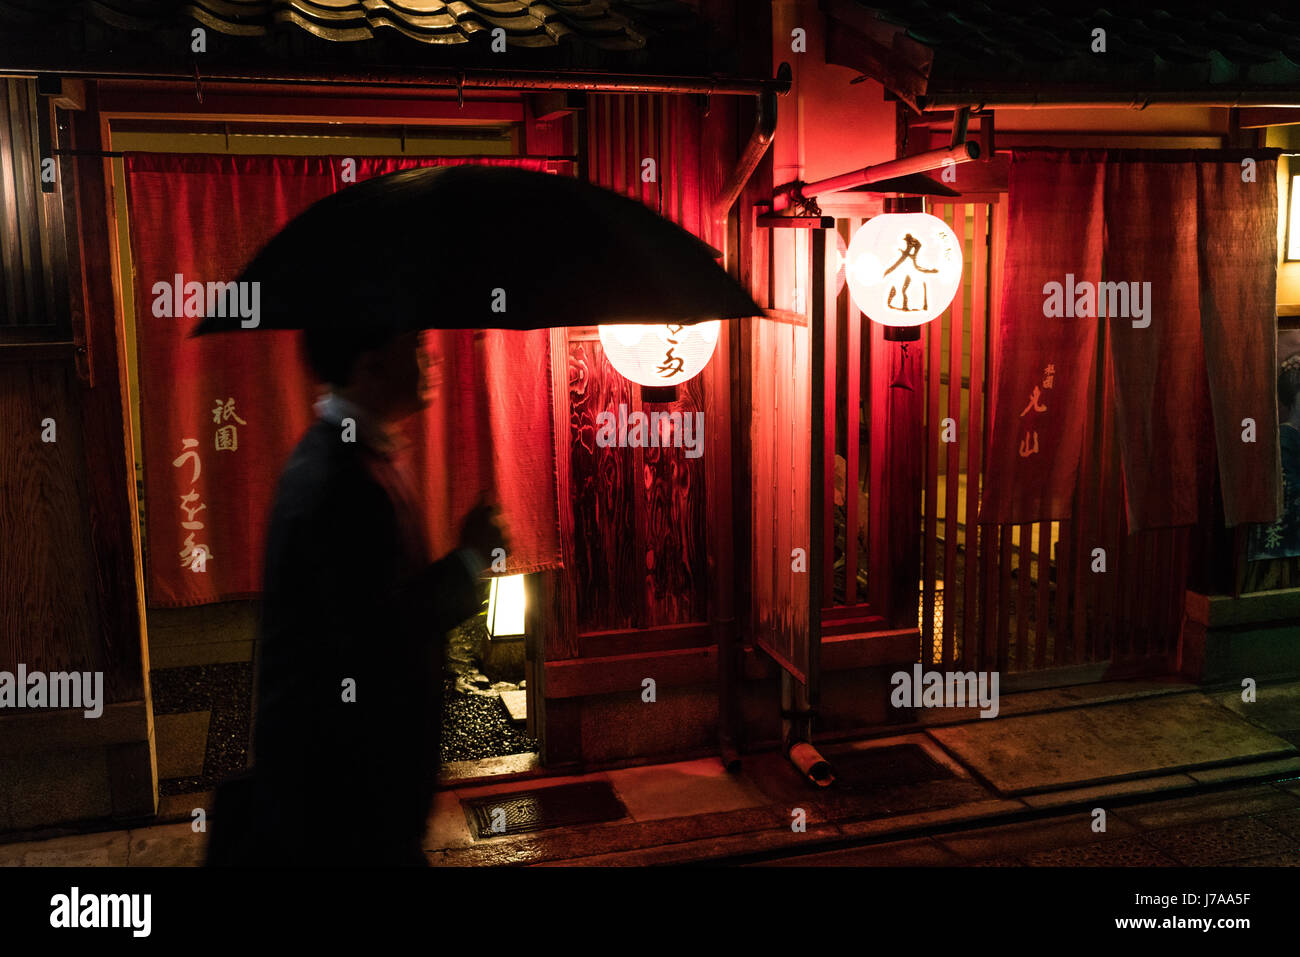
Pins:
x: 483, y: 247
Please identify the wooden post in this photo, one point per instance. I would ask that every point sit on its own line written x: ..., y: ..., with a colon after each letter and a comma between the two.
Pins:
x: 113, y: 523
x: 720, y: 541
x: 552, y: 596
x: 817, y: 491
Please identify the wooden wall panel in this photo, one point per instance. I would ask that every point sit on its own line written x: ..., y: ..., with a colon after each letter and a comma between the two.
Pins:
x: 779, y: 490
x: 49, y: 609
x: 675, y: 569
x: 603, y: 488
x: 639, y: 529
x: 639, y: 514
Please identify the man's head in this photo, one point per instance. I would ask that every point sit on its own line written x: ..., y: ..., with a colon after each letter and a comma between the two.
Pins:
x: 383, y: 372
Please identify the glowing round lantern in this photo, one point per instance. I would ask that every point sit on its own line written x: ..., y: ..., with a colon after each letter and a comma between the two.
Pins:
x: 903, y: 270
x: 660, y: 355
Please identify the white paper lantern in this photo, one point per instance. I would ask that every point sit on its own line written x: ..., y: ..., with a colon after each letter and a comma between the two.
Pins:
x: 661, y: 354
x: 904, y: 268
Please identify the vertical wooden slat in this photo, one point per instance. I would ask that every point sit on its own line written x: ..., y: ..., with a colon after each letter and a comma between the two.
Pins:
x: 689, y: 157
x: 1042, y: 613
x: 822, y: 311
x: 1178, y: 557
x: 932, y: 335
x: 669, y: 207
x: 630, y: 152
x: 996, y: 558
x: 800, y: 481
x: 1024, y: 562
x: 1127, y: 615
x: 782, y: 417
x: 603, y: 136
x: 23, y: 267
x: 821, y: 344
x: 852, y: 450
x: 646, y: 150
x: 11, y: 265
x: 1143, y: 609
x: 952, y: 467
x: 1003, y: 632
x: 879, y: 585
x: 618, y: 144
x: 1174, y: 558
x: 762, y: 493
x: 975, y: 436
x: 23, y: 114
x: 561, y: 635
x: 1064, y: 577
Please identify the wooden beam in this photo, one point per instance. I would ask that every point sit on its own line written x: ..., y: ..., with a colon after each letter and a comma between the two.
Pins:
x: 1254, y: 117
x: 580, y: 677
x: 845, y: 652
x: 149, y: 104
x: 67, y: 729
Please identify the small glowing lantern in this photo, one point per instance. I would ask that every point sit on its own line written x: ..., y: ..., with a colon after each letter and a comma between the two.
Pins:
x: 904, y: 268
x: 505, y: 615
x: 660, y: 355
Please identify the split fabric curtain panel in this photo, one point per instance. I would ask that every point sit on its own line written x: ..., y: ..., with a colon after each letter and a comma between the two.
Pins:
x: 1176, y: 251
x: 220, y: 414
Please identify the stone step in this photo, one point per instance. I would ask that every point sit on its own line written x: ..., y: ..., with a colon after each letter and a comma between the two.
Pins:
x: 516, y: 703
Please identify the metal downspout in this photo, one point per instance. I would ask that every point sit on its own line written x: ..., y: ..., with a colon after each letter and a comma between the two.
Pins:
x: 722, y: 576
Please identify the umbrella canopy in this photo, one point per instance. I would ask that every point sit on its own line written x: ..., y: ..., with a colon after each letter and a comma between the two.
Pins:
x: 483, y: 247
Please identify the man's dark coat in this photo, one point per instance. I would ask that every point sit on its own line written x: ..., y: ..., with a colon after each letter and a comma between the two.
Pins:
x: 351, y: 601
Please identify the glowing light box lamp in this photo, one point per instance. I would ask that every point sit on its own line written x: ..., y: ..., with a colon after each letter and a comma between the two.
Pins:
x: 662, y: 355
x: 505, y: 617
x: 1292, y: 248
x: 904, y: 268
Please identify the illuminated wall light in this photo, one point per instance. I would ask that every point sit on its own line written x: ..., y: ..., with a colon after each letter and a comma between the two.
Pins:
x: 904, y: 268
x: 505, y: 616
x: 662, y: 354
x: 1293, y: 220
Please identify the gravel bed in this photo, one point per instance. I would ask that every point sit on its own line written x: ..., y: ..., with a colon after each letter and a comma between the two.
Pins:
x: 477, y: 726
x: 226, y: 690
x: 475, y: 722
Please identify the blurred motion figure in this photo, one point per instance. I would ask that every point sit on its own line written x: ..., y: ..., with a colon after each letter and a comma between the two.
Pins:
x: 349, y: 703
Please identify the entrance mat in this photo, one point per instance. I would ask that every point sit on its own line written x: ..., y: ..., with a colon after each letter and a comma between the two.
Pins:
x: 1113, y: 742
x: 896, y: 765
x: 565, y: 805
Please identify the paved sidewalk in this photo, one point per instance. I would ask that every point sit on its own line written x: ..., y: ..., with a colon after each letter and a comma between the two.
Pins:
x: 1247, y: 826
x: 1051, y: 754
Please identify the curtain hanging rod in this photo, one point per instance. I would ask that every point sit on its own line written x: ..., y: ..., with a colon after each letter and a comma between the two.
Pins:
x: 549, y: 158
x: 578, y: 81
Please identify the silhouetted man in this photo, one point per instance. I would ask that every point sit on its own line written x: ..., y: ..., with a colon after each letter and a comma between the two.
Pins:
x: 349, y: 706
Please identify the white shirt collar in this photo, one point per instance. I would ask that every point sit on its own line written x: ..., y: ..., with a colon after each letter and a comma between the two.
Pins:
x: 334, y: 408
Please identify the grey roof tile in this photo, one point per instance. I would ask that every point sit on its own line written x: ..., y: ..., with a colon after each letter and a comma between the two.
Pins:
x: 604, y: 24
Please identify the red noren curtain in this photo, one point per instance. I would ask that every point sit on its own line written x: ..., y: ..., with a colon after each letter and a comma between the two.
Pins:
x: 221, y: 414
x: 1176, y: 252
